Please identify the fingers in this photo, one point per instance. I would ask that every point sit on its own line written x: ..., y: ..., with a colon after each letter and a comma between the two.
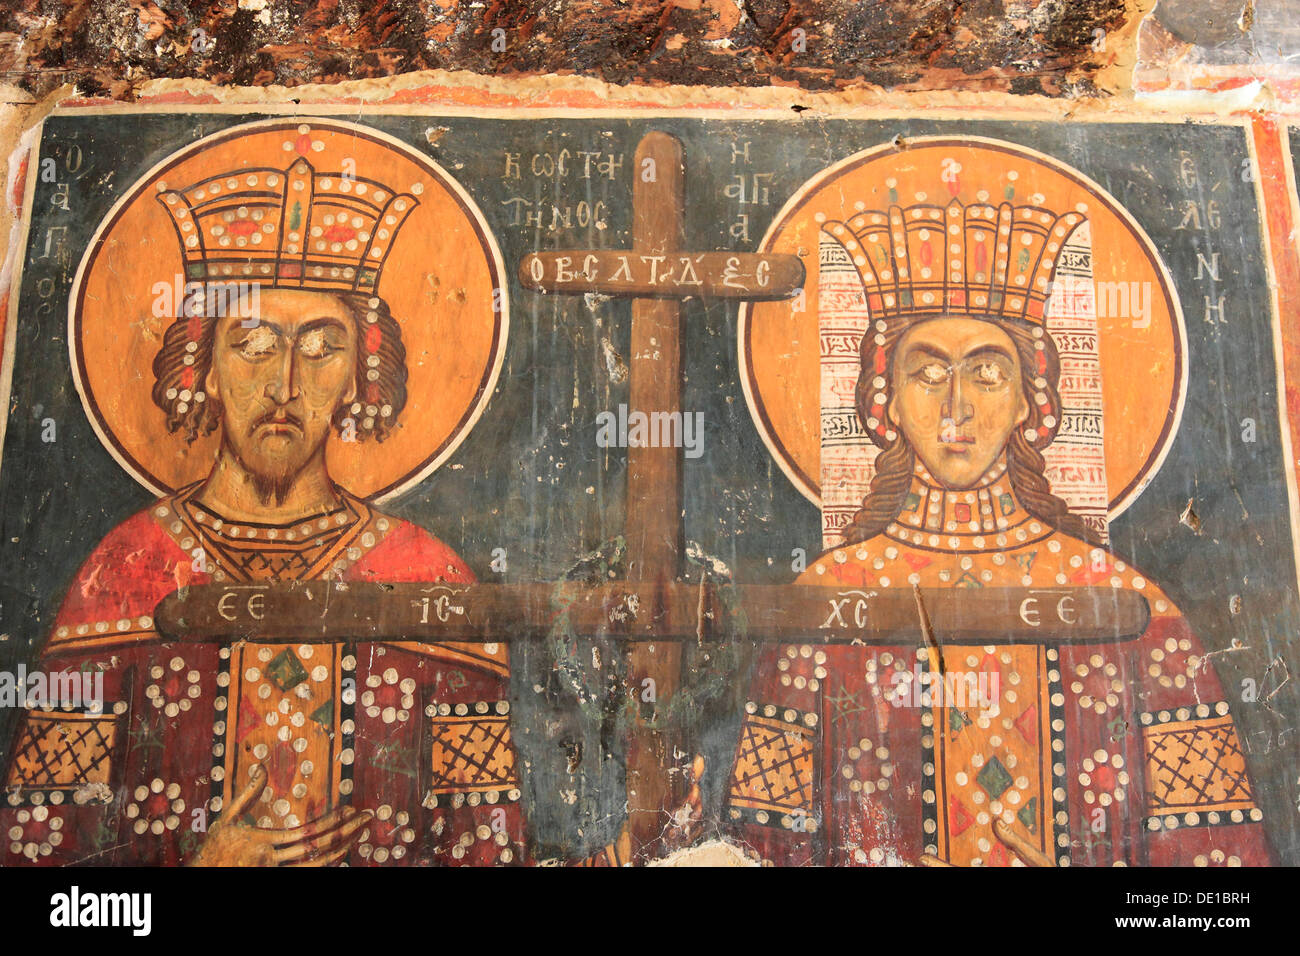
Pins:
x: 328, y: 860
x: 248, y: 796
x: 1028, y: 853
x: 928, y: 860
x: 326, y: 843
x: 315, y: 827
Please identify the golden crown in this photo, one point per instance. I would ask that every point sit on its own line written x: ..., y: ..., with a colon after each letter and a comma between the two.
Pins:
x: 977, y: 259
x: 290, y: 228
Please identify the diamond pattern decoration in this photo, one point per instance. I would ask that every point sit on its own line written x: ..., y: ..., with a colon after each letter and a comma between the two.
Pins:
x: 1027, y: 724
x: 324, y: 714
x: 959, y: 818
x: 1028, y: 815
x: 63, y: 750
x: 994, y: 778
x: 472, y: 754
x: 774, y: 766
x: 1196, y: 765
x: 286, y: 670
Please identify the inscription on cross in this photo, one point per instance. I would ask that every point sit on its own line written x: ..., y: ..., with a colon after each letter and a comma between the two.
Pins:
x: 658, y: 272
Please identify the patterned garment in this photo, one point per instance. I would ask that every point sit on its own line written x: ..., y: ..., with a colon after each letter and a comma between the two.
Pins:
x: 1114, y: 754
x: 418, y: 733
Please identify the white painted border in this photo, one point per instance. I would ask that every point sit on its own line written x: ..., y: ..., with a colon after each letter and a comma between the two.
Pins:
x: 1284, y: 423
x: 12, y: 272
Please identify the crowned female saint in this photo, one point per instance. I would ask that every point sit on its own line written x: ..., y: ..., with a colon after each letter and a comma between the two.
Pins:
x: 961, y: 398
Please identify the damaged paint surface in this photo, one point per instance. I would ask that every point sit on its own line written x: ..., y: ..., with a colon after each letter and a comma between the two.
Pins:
x: 414, y: 565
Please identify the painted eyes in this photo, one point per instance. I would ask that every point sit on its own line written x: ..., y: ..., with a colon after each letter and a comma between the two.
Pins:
x: 258, y: 343
x: 316, y: 344
x: 985, y: 372
x: 990, y: 374
x: 933, y: 374
x: 263, y: 341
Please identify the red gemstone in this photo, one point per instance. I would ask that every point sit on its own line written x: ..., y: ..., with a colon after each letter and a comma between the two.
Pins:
x: 374, y: 338
x: 245, y: 227
x: 303, y: 145
x: 959, y: 818
x: 339, y: 233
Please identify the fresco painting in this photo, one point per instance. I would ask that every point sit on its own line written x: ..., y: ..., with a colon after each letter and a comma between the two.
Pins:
x: 609, y: 490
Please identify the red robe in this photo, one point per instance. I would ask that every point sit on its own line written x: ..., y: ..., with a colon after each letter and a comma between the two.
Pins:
x: 1112, y: 754
x: 418, y: 733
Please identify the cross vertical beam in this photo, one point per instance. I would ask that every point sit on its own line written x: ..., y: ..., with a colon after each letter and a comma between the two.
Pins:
x: 654, y: 481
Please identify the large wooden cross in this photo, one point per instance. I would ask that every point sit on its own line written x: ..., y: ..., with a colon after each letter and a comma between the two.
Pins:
x: 657, y: 274
x: 653, y: 610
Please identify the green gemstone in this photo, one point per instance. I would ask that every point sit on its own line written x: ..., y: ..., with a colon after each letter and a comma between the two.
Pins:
x: 994, y: 778
x: 324, y: 714
x: 913, y: 500
x: 286, y: 670
x: 1028, y: 815
x: 1007, y: 502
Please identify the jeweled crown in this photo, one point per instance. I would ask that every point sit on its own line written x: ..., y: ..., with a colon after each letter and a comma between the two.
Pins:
x: 292, y: 227
x: 978, y: 259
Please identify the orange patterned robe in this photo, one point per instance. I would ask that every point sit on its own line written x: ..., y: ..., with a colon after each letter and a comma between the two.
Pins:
x: 1107, y: 754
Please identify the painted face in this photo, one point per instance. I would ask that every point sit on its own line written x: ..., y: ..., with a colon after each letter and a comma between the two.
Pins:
x: 281, y: 381
x: 957, y: 395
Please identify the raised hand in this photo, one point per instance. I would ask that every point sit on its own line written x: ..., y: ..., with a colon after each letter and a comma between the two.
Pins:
x: 321, y: 842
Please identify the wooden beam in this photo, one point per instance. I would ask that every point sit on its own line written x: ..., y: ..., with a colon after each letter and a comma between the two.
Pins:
x: 324, y: 611
x: 654, y: 488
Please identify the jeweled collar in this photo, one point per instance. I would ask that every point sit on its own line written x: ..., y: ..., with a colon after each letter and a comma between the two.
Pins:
x: 986, y: 517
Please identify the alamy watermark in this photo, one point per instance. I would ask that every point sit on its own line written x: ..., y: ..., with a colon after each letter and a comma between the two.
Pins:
x: 181, y: 299
x: 953, y: 689
x: 637, y: 429
x: 39, y: 690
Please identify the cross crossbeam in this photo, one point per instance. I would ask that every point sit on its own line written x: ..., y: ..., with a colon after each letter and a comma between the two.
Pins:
x: 322, y: 611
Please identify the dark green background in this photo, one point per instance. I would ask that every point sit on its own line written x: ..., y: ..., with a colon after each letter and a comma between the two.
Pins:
x: 524, y: 469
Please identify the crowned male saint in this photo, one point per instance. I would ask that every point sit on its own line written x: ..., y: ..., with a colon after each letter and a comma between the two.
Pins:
x: 273, y: 754
x: 1099, y: 754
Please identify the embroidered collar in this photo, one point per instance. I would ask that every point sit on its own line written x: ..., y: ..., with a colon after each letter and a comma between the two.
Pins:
x: 311, y: 547
x: 985, y: 517
x: 302, y: 531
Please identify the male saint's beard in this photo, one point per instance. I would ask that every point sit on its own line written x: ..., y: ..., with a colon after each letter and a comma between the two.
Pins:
x: 273, y: 477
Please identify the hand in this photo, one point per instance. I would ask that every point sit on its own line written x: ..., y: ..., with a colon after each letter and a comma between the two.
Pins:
x: 322, y: 842
x: 1029, y: 854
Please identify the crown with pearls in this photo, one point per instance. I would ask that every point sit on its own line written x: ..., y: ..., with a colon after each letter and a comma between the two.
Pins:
x: 978, y: 259
x: 293, y: 227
